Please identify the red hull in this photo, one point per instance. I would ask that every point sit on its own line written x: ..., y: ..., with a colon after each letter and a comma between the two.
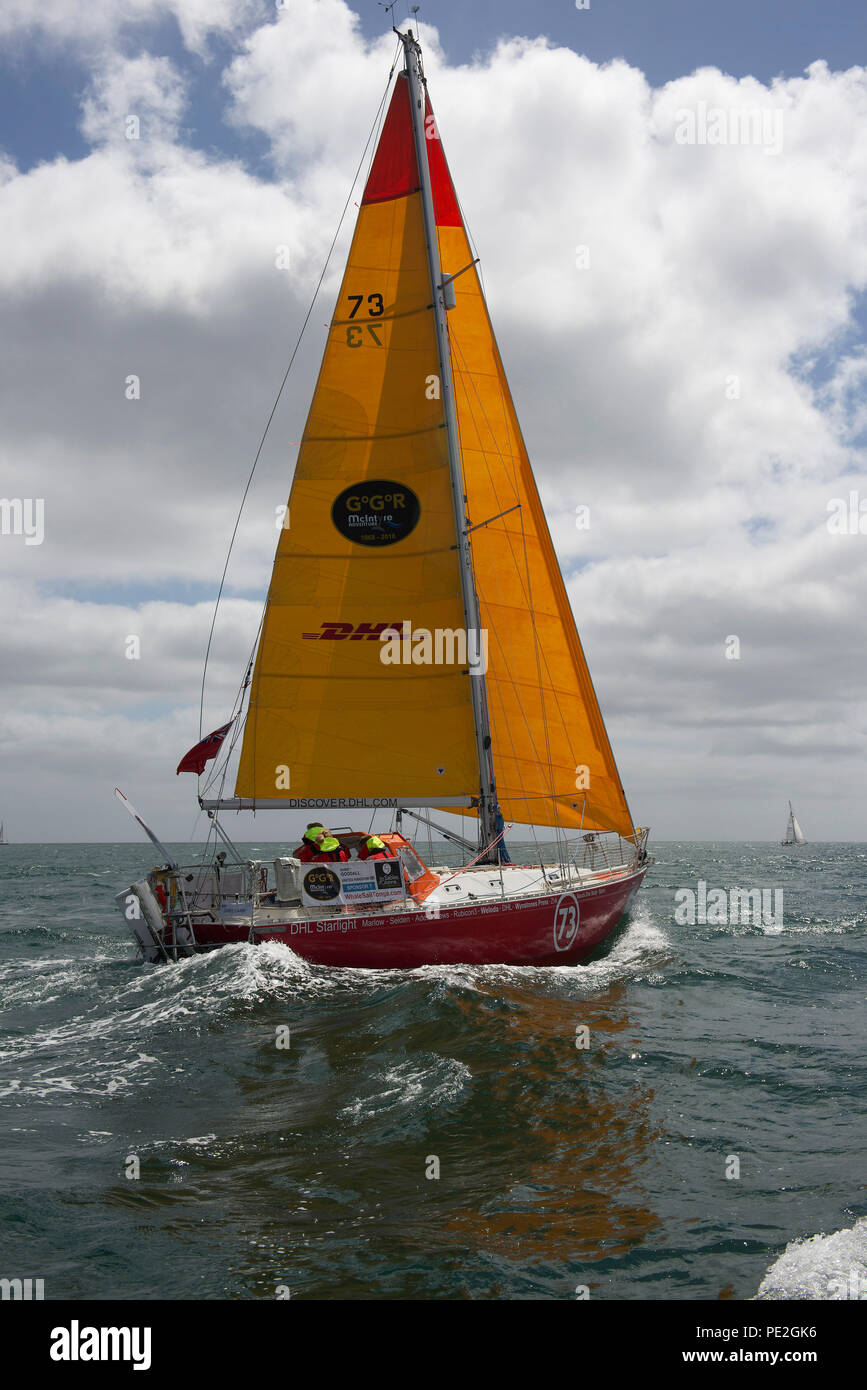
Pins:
x: 559, y: 929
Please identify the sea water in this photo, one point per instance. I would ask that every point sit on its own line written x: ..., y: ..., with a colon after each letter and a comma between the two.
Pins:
x: 681, y: 1118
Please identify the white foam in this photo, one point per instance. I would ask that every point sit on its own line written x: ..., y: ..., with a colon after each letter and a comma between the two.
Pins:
x: 129, y: 1013
x: 425, y: 1083
x: 821, y: 1267
x: 640, y: 951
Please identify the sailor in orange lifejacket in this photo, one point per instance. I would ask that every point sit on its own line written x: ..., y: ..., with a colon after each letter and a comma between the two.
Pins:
x: 374, y: 848
x: 320, y: 846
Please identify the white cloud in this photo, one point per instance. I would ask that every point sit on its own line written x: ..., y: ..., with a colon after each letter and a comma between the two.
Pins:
x: 664, y: 386
x: 65, y: 653
x: 139, y: 100
x: 60, y: 23
x: 172, y: 231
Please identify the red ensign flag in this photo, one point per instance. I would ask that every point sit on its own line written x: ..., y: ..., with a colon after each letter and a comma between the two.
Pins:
x: 195, y: 760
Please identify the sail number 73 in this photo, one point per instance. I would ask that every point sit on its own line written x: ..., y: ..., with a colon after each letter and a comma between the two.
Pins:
x: 355, y: 331
x: 567, y: 916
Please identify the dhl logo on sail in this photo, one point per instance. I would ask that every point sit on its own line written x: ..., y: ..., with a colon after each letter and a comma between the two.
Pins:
x: 340, y: 632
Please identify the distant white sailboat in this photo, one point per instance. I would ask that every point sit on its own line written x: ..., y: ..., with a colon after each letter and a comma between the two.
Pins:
x: 794, y: 833
x: 3, y: 840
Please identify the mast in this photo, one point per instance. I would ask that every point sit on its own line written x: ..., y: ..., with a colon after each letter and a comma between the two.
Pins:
x: 472, y: 616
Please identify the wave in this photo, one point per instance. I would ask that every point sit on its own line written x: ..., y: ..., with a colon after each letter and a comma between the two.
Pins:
x: 427, y: 1083
x: 122, y: 1012
x: 821, y: 1267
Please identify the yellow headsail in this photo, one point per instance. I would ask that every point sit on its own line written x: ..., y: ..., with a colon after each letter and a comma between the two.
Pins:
x: 552, y: 758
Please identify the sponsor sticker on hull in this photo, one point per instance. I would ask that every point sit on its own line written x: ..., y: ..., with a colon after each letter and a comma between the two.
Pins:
x: 353, y: 882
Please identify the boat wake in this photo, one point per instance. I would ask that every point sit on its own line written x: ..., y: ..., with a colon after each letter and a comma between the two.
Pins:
x: 821, y: 1267
x: 120, y: 1016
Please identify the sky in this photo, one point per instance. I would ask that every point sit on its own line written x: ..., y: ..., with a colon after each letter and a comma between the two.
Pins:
x: 680, y: 298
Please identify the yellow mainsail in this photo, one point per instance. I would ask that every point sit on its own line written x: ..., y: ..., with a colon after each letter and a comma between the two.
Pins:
x: 372, y: 543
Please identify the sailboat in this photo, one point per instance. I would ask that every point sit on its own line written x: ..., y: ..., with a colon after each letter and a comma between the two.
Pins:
x: 418, y: 651
x: 794, y: 833
x: 3, y: 840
